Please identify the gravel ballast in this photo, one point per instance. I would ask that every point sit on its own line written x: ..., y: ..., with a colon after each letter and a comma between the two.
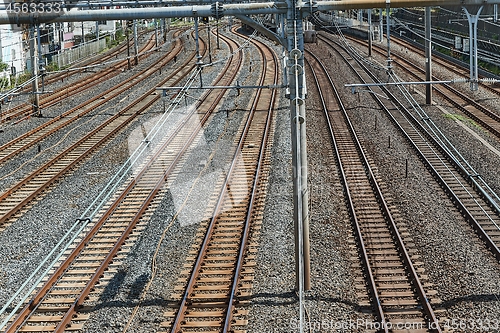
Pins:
x: 461, y: 269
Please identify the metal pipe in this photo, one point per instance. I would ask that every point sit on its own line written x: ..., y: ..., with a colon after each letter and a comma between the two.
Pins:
x: 34, y: 72
x: 136, y: 44
x: 473, y: 19
x: 10, y: 17
x: 260, y: 28
x: 428, y: 56
x: 280, y: 5
x: 370, y: 31
x: 366, y: 4
x: 355, y: 85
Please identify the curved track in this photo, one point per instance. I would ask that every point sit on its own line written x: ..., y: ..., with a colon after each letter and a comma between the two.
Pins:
x: 397, y: 294
x: 470, y: 194
x: 460, y: 71
x: 479, y: 113
x: 31, y: 138
x: 222, y: 270
x: 55, y: 306
x: 39, y: 181
x: 59, y: 95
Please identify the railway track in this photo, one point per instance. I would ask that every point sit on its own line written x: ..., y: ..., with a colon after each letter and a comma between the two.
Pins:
x: 36, y: 135
x: 460, y: 71
x: 467, y: 190
x: 71, y: 287
x: 392, y: 276
x: 24, y: 110
x: 98, y: 59
x: 482, y: 115
x: 212, y: 292
x: 32, y: 186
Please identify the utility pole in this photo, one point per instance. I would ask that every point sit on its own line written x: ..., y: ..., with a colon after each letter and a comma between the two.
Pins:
x: 428, y: 56
x: 218, y: 44
x: 163, y: 27
x: 156, y: 34
x: 41, y: 68
x: 128, y: 45
x: 199, y: 62
x: 473, y: 19
x: 388, y: 35
x: 83, y: 34
x: 209, y: 44
x: 136, y: 45
x: 97, y: 30
x: 381, y: 25
x: 295, y: 39
x: 370, y: 32
x: 34, y: 72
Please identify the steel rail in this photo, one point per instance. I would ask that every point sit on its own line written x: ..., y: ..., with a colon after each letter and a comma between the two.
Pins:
x: 453, y: 67
x: 157, y: 187
x: 184, y: 301
x: 386, y: 212
x: 494, y: 127
x: 492, y: 123
x: 368, y: 270
x: 11, y: 149
x: 257, y: 174
x: 98, y: 202
x: 58, y: 273
x: 59, y: 94
x: 76, y: 145
x: 31, y: 196
x: 461, y: 206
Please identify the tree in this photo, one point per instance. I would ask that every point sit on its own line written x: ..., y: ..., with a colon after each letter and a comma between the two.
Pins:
x: 3, y: 66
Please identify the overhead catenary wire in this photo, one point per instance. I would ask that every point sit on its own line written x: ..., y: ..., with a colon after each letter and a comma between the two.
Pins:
x: 92, y: 210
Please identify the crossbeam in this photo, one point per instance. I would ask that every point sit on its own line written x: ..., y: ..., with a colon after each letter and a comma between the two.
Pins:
x: 232, y: 9
x: 269, y: 86
x: 354, y: 86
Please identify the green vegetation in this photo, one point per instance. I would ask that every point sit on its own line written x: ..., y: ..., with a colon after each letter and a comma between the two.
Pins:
x: 3, y: 66
x: 489, y: 67
x: 52, y: 67
x: 454, y: 116
x: 4, y: 83
x: 119, y: 37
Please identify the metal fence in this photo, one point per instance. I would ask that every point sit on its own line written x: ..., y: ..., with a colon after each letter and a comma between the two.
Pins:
x: 70, y: 56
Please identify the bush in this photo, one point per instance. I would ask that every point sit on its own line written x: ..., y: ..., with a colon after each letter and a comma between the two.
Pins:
x: 3, y: 66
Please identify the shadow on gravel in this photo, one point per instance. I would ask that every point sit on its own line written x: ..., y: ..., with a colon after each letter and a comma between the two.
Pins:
x: 471, y: 298
x: 292, y: 298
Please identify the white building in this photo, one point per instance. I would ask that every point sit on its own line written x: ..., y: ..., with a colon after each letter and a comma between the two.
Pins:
x: 11, y: 47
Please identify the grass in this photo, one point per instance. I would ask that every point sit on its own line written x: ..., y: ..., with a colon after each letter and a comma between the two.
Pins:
x: 464, y: 119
